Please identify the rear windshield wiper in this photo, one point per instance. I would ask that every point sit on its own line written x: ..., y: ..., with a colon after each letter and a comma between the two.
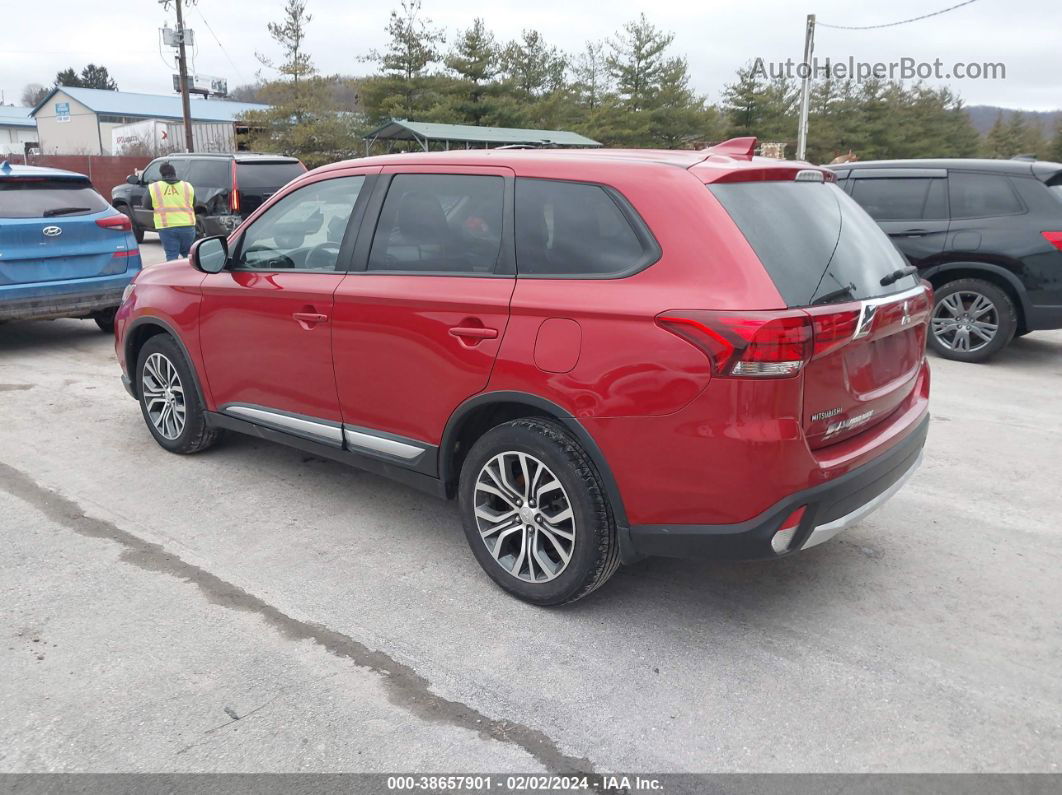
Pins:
x: 896, y: 275
x: 64, y: 211
x: 829, y: 298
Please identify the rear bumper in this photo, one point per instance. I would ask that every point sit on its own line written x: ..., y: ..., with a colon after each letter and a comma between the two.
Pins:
x: 67, y: 304
x: 829, y: 508
x: 1043, y: 318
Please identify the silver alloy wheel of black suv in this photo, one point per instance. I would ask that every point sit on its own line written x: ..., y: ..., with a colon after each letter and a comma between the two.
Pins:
x: 965, y: 321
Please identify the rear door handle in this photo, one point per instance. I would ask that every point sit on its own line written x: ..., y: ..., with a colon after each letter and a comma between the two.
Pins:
x: 913, y: 232
x: 309, y: 319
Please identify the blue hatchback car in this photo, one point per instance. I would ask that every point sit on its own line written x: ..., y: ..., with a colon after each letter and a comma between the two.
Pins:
x: 64, y: 251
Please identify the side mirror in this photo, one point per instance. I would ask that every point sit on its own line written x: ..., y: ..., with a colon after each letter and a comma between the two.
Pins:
x: 210, y: 254
x: 133, y: 179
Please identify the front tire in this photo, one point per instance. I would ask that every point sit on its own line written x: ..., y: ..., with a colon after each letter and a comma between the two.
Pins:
x: 535, y: 513
x: 972, y: 321
x: 169, y: 400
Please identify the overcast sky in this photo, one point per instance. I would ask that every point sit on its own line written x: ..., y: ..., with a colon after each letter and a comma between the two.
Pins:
x: 717, y: 37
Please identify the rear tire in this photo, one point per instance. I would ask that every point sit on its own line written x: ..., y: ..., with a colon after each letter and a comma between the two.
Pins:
x: 105, y: 320
x: 169, y: 400
x: 972, y: 321
x: 138, y: 231
x: 535, y: 513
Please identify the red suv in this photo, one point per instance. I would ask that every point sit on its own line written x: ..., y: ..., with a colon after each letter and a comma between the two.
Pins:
x: 602, y: 355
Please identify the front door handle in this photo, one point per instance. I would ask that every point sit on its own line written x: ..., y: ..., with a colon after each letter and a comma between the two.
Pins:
x: 474, y: 332
x: 309, y: 319
x: 913, y: 232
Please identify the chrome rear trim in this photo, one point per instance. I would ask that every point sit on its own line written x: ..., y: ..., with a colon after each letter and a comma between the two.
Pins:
x: 824, y: 532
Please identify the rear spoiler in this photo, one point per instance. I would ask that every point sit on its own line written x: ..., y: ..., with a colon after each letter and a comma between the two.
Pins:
x: 1048, y: 172
x: 759, y: 170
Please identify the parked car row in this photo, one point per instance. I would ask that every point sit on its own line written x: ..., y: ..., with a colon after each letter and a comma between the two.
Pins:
x: 602, y: 355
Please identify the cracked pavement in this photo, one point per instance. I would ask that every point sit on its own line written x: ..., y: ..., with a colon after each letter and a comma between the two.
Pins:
x: 257, y: 609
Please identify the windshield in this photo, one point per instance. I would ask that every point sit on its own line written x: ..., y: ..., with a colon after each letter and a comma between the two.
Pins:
x: 44, y: 197
x: 816, y: 243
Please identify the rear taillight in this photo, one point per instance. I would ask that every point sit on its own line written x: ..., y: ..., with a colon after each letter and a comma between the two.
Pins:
x: 120, y: 223
x: 234, y: 197
x: 756, y: 344
x: 1054, y: 238
x: 779, y: 343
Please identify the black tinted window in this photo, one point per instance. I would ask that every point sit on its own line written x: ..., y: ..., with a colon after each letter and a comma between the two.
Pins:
x: 213, y: 173
x: 816, y: 243
x: 439, y: 222
x: 980, y: 195
x: 568, y: 228
x: 36, y: 197
x: 267, y: 175
x: 900, y: 198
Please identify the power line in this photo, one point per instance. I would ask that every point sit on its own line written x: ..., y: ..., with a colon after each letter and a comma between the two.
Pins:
x: 222, y: 46
x: 901, y: 22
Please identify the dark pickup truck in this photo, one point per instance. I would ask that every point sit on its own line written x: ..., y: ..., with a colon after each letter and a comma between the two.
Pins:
x: 228, y: 188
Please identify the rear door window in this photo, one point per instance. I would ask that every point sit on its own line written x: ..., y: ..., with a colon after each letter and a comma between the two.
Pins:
x: 213, y: 173
x: 449, y: 223
x: 36, y: 197
x: 254, y: 176
x: 900, y: 199
x: 981, y: 195
x: 815, y: 241
x: 577, y: 229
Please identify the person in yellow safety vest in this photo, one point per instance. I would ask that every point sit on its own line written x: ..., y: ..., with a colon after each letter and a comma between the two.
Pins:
x: 173, y: 201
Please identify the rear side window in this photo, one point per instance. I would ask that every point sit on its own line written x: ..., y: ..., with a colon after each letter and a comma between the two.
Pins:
x: 899, y: 199
x: 267, y: 175
x: 40, y: 197
x: 576, y: 229
x: 981, y: 195
x: 448, y: 223
x: 213, y: 173
x: 816, y: 243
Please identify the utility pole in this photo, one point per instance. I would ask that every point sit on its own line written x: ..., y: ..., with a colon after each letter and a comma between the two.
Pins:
x: 182, y: 71
x: 805, y: 88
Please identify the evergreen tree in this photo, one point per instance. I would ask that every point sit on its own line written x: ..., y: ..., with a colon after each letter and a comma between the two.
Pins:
x: 91, y: 76
x: 996, y: 143
x: 1054, y: 150
x: 533, y: 67
x: 637, y: 62
x: 592, y: 79
x: 290, y: 34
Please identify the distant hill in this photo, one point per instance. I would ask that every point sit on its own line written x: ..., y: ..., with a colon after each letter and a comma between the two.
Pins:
x: 984, y: 116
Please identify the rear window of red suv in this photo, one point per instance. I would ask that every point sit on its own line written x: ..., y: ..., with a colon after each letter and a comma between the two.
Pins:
x: 817, y: 244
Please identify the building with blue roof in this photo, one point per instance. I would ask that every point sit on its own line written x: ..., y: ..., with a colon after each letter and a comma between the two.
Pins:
x: 80, y: 120
x: 17, y: 128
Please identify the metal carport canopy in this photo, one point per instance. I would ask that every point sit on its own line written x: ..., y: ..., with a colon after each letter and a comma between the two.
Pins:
x: 425, y: 132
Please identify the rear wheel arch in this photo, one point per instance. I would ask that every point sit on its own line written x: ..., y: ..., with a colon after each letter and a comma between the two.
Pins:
x: 479, y: 414
x: 1002, y: 278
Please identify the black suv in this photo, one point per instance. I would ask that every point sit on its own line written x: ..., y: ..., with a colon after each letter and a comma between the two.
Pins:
x: 228, y: 188
x: 986, y: 233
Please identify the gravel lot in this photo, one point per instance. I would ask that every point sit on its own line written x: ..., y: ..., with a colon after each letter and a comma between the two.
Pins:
x: 254, y: 608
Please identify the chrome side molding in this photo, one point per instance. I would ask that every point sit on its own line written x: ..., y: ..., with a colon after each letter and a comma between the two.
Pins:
x: 318, y: 430
x: 358, y: 440
x: 363, y: 440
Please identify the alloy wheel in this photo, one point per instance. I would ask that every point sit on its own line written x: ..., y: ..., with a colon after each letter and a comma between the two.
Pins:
x: 965, y: 321
x: 163, y: 396
x: 524, y: 517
